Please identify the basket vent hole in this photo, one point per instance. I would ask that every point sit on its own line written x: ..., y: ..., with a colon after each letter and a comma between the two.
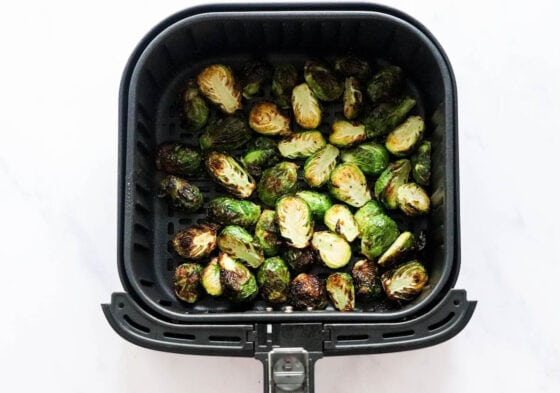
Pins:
x: 165, y: 303
x: 403, y: 333
x: 136, y: 325
x: 170, y: 228
x: 120, y: 305
x: 170, y: 246
x: 353, y: 337
x: 456, y: 302
x: 443, y: 322
x: 146, y: 283
x: 180, y: 336
x: 229, y: 339
x: 170, y: 265
x: 171, y: 129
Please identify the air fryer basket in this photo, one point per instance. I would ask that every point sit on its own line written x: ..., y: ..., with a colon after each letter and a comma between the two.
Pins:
x: 149, y: 314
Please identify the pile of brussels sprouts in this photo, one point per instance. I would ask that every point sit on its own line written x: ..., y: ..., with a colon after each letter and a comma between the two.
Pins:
x: 297, y: 197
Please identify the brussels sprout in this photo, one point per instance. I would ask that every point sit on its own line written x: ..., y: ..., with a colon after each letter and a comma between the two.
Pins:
x: 352, y: 66
x: 307, y: 291
x: 266, y: 233
x: 388, y: 183
x: 218, y: 84
x: 341, y: 291
x: 195, y: 109
x: 261, y: 154
x: 378, y: 235
x: 365, y: 213
x: 413, y: 200
x: 294, y: 220
x: 400, y: 249
x: 322, y: 81
x: 366, y: 280
x: 266, y: 118
x: 253, y: 76
x: 182, y: 194
x: 239, y: 244
x: 333, y: 250
x: 385, y: 117
x: 307, y: 110
x: 228, y: 133
x: 318, y: 167
x: 406, y: 137
x: 421, y: 162
x: 301, y: 144
x: 177, y: 159
x: 187, y: 282
x: 345, y: 133
x: 273, y: 278
x: 339, y: 219
x: 352, y: 98
x: 372, y: 158
x: 196, y: 241
x: 318, y: 203
x: 230, y: 211
x: 277, y: 181
x: 348, y: 184
x: 283, y: 81
x: 299, y: 260
x: 211, y: 278
x: 385, y: 84
x: 227, y: 172
x: 238, y: 283
x: 405, y: 282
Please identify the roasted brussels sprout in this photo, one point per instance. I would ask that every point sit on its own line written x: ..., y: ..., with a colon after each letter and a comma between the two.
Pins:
x: 261, y: 154
x: 238, y: 283
x: 385, y: 84
x: 230, y: 211
x: 348, y: 184
x: 322, y: 81
x: 294, y: 220
x: 273, y: 278
x: 412, y: 199
x: 299, y: 259
x: 405, y: 282
x: 400, y: 249
x: 277, y: 181
x: 378, y: 235
x: 346, y: 134
x: 372, y: 158
x: 253, y: 77
x: 182, y: 194
x: 266, y: 118
x: 365, y: 213
x: 353, y: 66
x: 333, y: 250
x: 341, y: 291
x: 228, y: 133
x: 195, y: 109
x: 352, y: 98
x: 196, y: 241
x: 177, y: 159
x: 385, y: 117
x: 307, y: 291
x: 307, y: 110
x: 339, y: 219
x: 187, y: 282
x: 227, y: 172
x: 366, y: 280
x: 318, y: 203
x: 211, y: 278
x: 421, y: 163
x: 388, y: 183
x: 266, y: 233
x: 218, y: 84
x: 318, y: 167
x: 283, y: 81
x: 239, y: 244
x: 405, y: 138
x: 301, y: 144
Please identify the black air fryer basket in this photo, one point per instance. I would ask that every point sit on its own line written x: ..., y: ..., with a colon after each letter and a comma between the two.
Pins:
x: 287, y: 342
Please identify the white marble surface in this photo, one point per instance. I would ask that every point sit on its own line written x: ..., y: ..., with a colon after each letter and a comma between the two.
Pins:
x: 60, y: 71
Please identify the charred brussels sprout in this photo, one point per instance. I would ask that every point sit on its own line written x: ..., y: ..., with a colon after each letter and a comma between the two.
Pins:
x: 413, y: 200
x: 228, y: 173
x: 299, y: 260
x: 195, y: 109
x: 333, y: 250
x: 385, y: 84
x: 339, y: 219
x: 307, y: 110
x: 405, y: 282
x: 253, y: 76
x: 352, y: 98
x: 345, y: 133
x: 366, y: 280
x: 380, y: 232
x: 230, y: 211
x: 365, y: 213
x: 266, y: 233
x: 228, y: 133
x: 301, y: 144
x: 218, y: 84
x: 318, y: 167
x: 421, y: 163
x: 211, y: 278
x: 385, y: 117
x: 182, y: 194
x: 196, y: 242
x: 400, y: 249
x: 322, y: 81
x: 177, y: 159
x: 277, y: 181
x: 273, y: 278
x: 266, y: 118
x: 341, y: 291
x: 307, y: 291
x: 238, y: 283
x: 187, y: 282
x: 318, y: 203
x: 348, y: 184
x: 372, y: 158
x: 283, y: 81
x: 294, y: 220
x: 389, y: 182
x: 353, y: 66
x: 405, y: 138
x: 239, y: 244
x: 260, y: 155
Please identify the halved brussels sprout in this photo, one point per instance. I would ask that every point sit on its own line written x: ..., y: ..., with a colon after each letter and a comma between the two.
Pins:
x: 421, y: 163
x: 238, y: 283
x: 352, y: 98
x: 319, y: 203
x: 413, y: 200
x: 253, y: 76
x: 405, y: 282
x: 283, y: 81
x: 388, y: 183
x: 385, y: 84
x: 318, y: 167
x: 372, y: 158
x: 301, y: 144
x: 400, y: 249
x: 182, y: 194
x: 228, y: 133
x: 353, y: 66
x: 266, y: 118
x: 195, y: 109
x: 299, y: 259
x: 341, y: 291
x: 260, y: 155
x: 266, y: 233
x: 366, y: 280
x: 348, y: 184
x: 211, y: 278
x: 307, y: 291
x: 273, y: 278
x: 322, y: 81
x: 403, y: 140
x: 177, y: 159
x: 277, y: 181
x: 239, y: 244
x: 294, y: 220
x: 187, y: 282
x: 378, y: 235
x: 230, y: 211
x: 346, y: 134
x: 196, y: 241
x: 333, y: 250
x: 218, y: 84
x: 339, y: 219
x: 385, y: 117
x: 307, y: 110
x: 228, y: 173
x: 365, y: 213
